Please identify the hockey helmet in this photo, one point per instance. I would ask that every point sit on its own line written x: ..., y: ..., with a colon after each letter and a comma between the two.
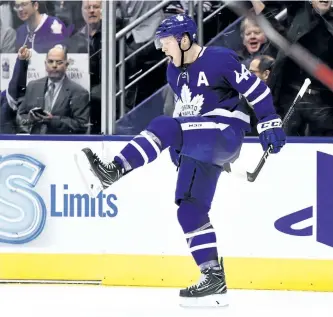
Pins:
x: 177, y: 26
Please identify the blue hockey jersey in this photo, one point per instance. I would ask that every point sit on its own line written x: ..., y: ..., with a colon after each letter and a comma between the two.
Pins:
x: 215, y: 84
x: 50, y: 31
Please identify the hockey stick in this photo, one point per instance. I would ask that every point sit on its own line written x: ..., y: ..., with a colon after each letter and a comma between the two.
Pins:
x: 295, y: 51
x: 251, y: 177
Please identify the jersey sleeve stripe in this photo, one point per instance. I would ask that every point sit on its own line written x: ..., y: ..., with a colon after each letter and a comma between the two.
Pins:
x: 261, y: 97
x: 151, y: 141
x: 252, y: 88
x: 11, y: 101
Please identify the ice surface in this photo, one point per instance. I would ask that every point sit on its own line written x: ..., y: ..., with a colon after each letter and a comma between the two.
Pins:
x: 99, y: 301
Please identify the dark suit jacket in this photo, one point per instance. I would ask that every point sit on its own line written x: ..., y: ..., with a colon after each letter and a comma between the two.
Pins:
x: 302, y: 22
x: 70, y: 111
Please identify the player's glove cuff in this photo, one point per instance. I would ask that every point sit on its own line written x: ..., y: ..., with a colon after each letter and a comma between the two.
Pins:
x: 269, y: 124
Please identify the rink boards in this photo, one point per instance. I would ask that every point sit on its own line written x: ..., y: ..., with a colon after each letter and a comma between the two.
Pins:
x: 276, y: 233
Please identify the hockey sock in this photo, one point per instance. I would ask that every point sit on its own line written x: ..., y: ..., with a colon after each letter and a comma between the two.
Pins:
x: 144, y: 148
x: 200, y: 234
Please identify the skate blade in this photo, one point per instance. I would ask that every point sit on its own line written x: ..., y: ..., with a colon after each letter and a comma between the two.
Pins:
x: 91, y: 181
x: 211, y: 301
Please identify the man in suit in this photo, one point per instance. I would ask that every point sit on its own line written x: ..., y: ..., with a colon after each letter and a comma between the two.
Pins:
x: 65, y: 103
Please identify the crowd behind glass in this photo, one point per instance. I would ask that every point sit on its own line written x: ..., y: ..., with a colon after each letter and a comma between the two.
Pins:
x: 51, y: 53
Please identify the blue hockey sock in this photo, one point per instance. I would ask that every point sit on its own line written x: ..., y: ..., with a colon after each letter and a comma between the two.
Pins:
x: 200, y: 234
x: 144, y: 148
x: 202, y: 244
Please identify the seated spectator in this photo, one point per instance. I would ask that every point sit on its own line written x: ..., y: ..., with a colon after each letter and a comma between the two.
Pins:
x: 65, y: 103
x: 89, y: 39
x: 312, y: 27
x: 7, y: 39
x: 39, y: 32
x: 262, y: 66
x: 254, y: 41
x: 68, y: 12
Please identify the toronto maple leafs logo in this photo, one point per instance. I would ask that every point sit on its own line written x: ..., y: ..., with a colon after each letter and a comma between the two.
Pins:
x: 56, y: 27
x: 186, y: 106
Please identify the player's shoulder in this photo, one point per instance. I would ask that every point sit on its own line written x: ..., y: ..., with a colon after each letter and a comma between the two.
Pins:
x: 221, y: 58
x: 220, y: 51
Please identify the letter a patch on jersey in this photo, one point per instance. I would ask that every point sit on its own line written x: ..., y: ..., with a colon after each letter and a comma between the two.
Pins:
x: 202, y: 79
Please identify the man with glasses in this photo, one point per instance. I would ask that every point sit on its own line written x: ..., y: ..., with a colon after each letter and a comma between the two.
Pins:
x: 262, y: 66
x: 55, y: 104
x: 39, y: 32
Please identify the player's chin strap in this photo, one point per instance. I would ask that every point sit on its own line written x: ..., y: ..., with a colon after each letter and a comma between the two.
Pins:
x: 182, y: 66
x: 183, y: 53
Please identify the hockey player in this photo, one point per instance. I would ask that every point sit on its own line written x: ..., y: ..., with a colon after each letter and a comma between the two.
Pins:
x: 207, y: 130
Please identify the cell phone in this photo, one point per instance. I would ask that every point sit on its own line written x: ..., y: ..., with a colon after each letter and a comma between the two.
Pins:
x: 39, y: 111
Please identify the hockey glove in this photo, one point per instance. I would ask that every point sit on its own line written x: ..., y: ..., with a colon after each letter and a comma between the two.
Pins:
x: 271, y: 133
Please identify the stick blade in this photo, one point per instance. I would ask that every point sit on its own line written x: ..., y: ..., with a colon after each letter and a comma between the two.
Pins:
x: 251, y: 177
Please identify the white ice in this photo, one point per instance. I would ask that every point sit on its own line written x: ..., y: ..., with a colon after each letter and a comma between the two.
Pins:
x: 98, y: 301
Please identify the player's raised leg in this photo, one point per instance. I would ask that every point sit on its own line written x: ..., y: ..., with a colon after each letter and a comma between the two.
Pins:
x: 161, y: 133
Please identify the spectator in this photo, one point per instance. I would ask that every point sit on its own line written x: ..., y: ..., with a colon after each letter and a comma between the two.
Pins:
x: 130, y: 11
x: 15, y: 92
x: 89, y: 39
x: 261, y: 66
x: 174, y: 7
x: 254, y: 42
x: 65, y: 103
x: 145, y: 31
x: 3, y: 106
x: 68, y: 12
x: 6, y: 14
x: 206, y: 6
x: 7, y: 39
x: 311, y: 27
x: 39, y: 32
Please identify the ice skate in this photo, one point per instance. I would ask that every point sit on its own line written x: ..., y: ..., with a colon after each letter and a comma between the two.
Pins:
x: 210, y: 291
x: 97, y: 175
